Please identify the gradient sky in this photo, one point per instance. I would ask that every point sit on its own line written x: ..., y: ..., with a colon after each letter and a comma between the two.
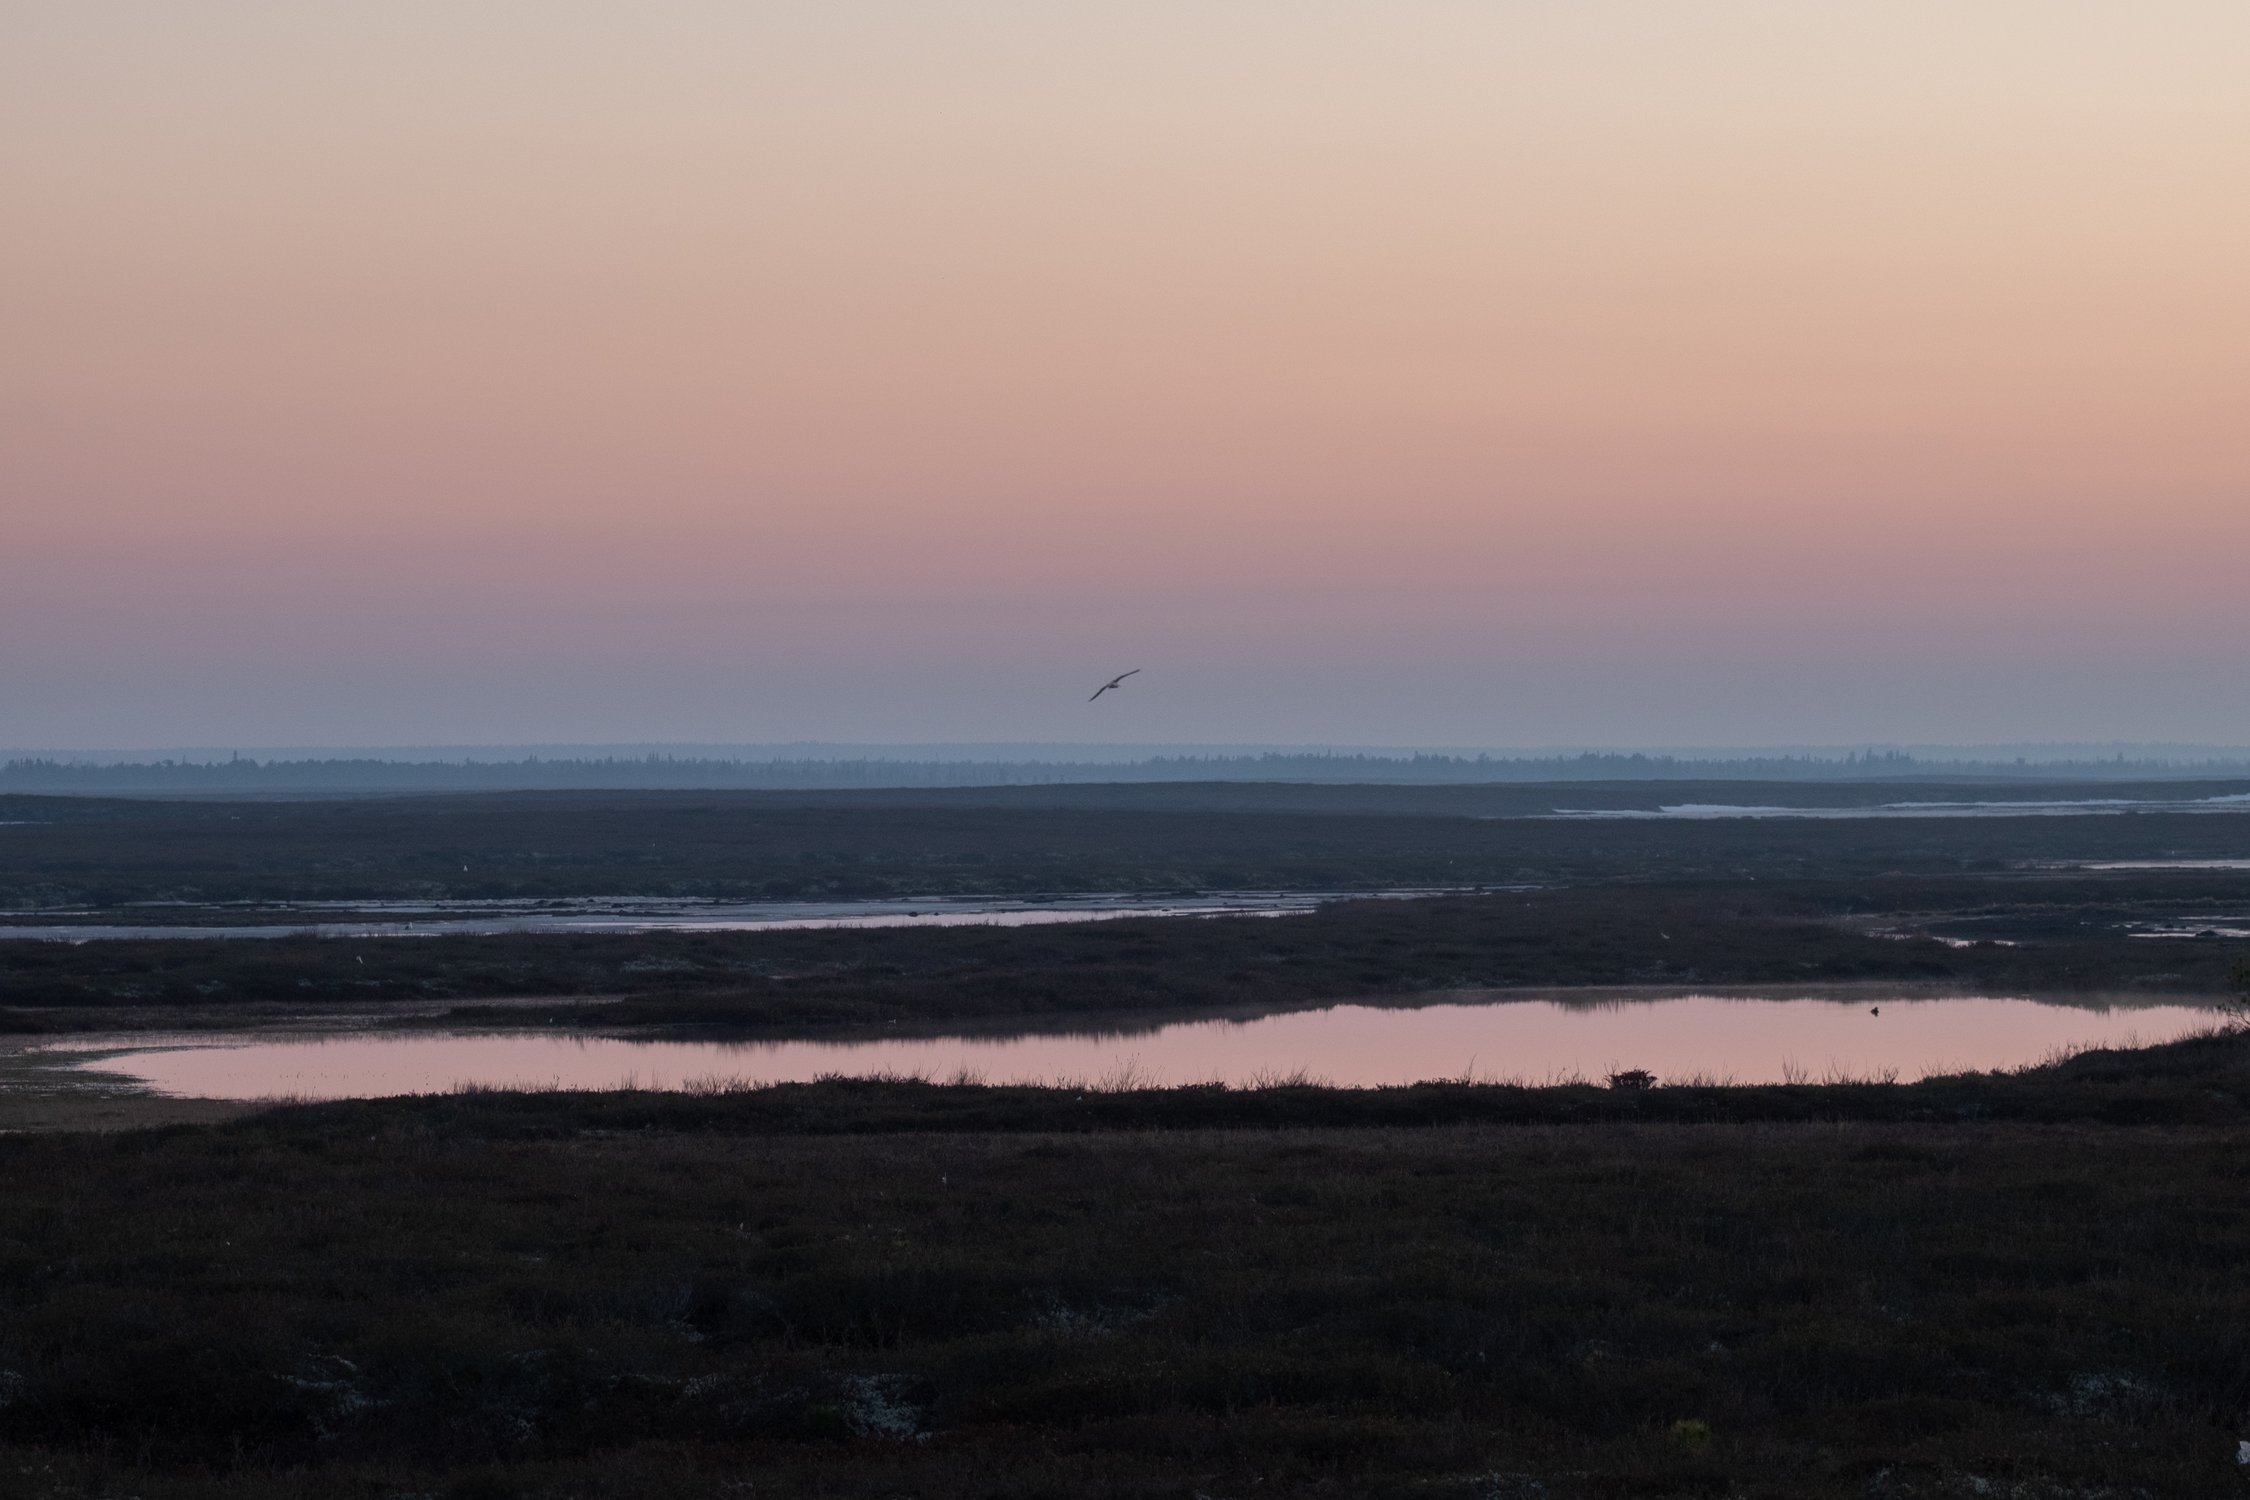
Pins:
x: 1501, y: 372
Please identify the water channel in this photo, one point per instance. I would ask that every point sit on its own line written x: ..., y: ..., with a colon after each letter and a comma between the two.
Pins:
x: 630, y: 914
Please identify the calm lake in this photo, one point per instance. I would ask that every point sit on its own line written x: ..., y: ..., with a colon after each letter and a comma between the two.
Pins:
x: 1762, y: 1040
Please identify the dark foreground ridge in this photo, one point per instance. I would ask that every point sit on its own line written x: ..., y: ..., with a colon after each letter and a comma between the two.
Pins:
x: 2024, y: 1285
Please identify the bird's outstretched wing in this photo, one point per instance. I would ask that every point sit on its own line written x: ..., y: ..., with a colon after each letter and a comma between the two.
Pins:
x: 1113, y: 682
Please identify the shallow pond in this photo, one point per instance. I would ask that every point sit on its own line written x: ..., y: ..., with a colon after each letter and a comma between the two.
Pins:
x: 1760, y: 1040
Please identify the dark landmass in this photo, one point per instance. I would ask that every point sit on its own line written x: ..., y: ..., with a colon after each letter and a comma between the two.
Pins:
x: 2072, y: 934
x: 75, y: 852
x: 2023, y: 1284
x: 2018, y: 1285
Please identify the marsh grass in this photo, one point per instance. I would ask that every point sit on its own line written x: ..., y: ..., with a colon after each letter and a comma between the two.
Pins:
x: 1711, y: 932
x: 565, y: 1295
x: 773, y: 846
x: 2025, y: 1283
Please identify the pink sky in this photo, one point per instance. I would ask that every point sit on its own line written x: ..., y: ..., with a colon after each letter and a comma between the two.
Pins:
x: 1408, y: 372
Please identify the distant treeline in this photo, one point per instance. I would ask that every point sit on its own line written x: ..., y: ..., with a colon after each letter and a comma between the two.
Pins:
x: 373, y: 774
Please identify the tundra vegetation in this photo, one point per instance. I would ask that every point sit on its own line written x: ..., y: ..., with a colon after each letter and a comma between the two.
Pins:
x: 2020, y: 1284
x: 2043, y: 932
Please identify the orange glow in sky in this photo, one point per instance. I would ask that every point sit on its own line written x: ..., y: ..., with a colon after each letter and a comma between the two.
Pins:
x: 1404, y: 372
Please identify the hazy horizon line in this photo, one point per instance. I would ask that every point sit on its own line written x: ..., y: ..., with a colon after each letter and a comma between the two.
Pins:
x: 1095, y: 752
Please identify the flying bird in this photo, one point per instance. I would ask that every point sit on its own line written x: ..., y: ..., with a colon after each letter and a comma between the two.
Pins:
x: 1114, y: 682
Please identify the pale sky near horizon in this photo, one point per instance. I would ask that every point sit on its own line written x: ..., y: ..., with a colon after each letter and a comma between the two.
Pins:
x: 1512, y: 372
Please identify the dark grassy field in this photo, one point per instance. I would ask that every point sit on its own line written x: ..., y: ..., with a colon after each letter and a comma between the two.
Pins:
x: 501, y: 1296
x: 1723, y: 902
x: 1671, y: 933
x: 2024, y: 1285
x: 750, y: 845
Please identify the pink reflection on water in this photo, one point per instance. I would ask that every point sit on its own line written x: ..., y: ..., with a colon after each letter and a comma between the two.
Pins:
x: 1534, y: 1041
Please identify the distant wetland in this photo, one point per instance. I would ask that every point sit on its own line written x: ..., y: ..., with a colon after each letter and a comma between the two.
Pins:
x: 1239, y: 1140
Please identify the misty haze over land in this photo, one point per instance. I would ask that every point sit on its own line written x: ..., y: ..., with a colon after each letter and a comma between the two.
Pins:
x: 838, y: 766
